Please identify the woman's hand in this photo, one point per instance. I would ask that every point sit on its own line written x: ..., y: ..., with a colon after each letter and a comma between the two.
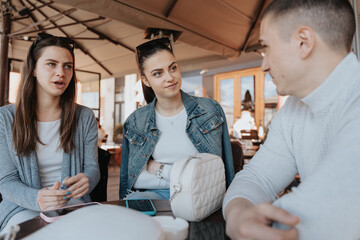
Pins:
x: 50, y: 198
x: 77, y: 185
x: 152, y: 166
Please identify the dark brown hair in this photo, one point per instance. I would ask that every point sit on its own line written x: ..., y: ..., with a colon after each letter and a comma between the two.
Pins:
x: 24, y: 128
x: 333, y: 20
x: 143, y: 52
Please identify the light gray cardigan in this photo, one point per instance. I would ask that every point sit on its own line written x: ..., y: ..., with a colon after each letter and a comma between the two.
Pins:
x: 19, y: 176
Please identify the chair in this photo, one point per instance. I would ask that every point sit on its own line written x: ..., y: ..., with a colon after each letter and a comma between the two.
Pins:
x: 238, y: 156
x: 115, y: 159
x: 104, y: 140
x: 99, y: 193
x: 294, y: 183
x: 249, y: 134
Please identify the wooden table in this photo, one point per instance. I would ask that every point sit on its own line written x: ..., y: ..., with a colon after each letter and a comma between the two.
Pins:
x: 213, y: 227
x: 250, y: 151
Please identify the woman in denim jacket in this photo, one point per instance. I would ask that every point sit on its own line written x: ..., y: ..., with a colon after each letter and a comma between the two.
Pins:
x: 173, y: 125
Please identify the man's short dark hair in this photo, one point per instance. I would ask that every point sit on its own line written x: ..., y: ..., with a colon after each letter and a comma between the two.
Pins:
x: 333, y: 20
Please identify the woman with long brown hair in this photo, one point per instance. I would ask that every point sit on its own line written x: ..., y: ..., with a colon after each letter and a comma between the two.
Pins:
x: 172, y: 126
x: 48, y: 143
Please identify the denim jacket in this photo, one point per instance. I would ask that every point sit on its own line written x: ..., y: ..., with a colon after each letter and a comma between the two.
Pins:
x: 206, y: 128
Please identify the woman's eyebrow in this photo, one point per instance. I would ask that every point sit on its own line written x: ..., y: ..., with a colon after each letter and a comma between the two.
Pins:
x: 156, y: 70
x: 160, y: 69
x: 171, y: 64
x: 53, y: 60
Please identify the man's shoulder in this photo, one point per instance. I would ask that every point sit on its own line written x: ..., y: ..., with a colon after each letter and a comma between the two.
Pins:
x: 290, y: 112
x: 291, y: 105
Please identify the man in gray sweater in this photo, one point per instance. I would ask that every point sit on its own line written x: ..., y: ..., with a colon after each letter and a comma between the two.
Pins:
x: 316, y: 133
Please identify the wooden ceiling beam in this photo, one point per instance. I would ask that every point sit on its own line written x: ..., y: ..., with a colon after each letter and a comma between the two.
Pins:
x: 170, y: 8
x: 95, y: 31
x: 33, y: 18
x: 76, y: 43
x: 64, y: 25
x: 42, y: 21
x: 261, y: 9
x: 236, y: 11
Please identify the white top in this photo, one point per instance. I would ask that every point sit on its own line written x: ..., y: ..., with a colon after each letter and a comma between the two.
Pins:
x: 246, y: 122
x: 319, y: 138
x: 173, y: 145
x: 50, y: 157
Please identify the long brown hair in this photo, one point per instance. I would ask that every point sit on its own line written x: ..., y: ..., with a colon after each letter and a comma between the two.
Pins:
x: 24, y: 128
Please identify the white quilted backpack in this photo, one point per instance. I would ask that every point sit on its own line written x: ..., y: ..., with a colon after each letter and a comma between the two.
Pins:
x: 197, y: 186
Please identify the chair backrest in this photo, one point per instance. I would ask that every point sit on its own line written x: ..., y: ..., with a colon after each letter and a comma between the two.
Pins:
x: 104, y: 140
x: 249, y: 134
x: 237, y: 153
x: 99, y: 193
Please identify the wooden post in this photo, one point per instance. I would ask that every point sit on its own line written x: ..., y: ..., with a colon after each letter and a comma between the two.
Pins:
x: 4, y: 49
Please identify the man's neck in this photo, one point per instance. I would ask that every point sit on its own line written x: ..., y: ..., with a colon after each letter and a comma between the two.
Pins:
x: 318, y: 69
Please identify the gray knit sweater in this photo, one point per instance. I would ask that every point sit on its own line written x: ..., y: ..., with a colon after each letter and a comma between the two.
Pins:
x: 317, y: 137
x: 19, y: 176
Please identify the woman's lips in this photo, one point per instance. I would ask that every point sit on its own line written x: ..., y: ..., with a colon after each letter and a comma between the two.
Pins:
x: 59, y: 84
x: 172, y: 85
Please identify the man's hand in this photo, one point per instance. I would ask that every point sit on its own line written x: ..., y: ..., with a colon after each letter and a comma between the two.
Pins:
x: 50, y: 198
x: 77, y: 186
x: 246, y: 221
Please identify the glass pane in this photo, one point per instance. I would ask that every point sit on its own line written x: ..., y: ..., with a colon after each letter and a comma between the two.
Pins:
x: 227, y: 99
x: 271, y: 99
x: 119, y: 97
x: 247, y: 100
x: 270, y: 89
x: 90, y: 94
x: 192, y: 85
x: 117, y: 113
x: 90, y: 99
x: 96, y: 113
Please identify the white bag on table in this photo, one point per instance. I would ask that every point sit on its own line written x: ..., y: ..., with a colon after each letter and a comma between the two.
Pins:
x: 197, y: 186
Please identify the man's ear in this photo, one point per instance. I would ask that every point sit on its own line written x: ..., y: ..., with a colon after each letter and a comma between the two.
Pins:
x: 145, y: 81
x: 306, y: 41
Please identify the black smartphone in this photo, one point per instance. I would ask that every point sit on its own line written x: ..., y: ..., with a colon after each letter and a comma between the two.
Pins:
x: 207, y: 230
x: 143, y: 205
x: 53, y: 215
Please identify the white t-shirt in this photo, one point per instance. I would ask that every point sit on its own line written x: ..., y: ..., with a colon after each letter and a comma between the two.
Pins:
x: 246, y: 122
x: 50, y: 157
x: 173, y: 145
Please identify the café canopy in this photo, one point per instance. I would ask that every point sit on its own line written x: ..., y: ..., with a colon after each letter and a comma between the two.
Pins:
x: 207, y: 32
